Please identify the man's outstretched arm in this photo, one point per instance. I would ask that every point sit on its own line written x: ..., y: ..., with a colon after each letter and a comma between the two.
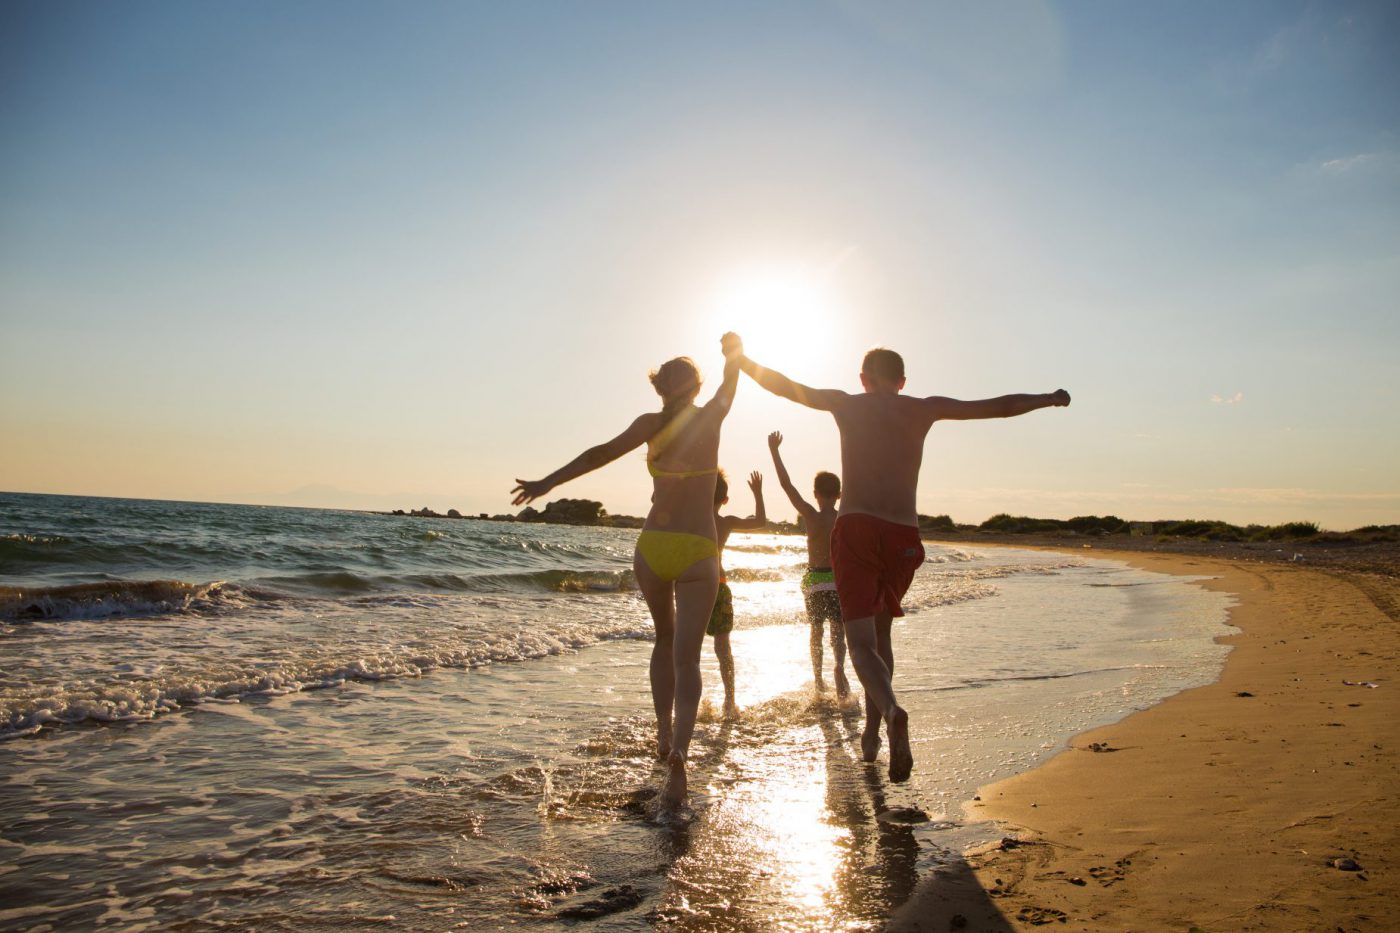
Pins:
x: 778, y: 384
x: 1003, y: 406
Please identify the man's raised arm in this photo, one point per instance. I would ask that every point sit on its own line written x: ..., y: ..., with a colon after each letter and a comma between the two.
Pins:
x: 778, y: 384
x: 1003, y: 406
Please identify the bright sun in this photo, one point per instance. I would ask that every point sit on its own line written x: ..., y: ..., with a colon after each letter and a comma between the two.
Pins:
x: 780, y: 312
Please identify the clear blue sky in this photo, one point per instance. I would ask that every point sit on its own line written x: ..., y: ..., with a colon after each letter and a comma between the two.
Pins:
x: 380, y: 255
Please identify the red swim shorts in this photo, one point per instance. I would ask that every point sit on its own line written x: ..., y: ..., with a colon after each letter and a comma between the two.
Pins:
x: 874, y: 561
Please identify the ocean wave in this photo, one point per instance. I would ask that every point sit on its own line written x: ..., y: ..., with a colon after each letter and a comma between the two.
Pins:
x: 1007, y: 570
x: 61, y: 550
x: 976, y: 682
x: 128, y: 598
x: 799, y: 548
x: 759, y: 575
x: 147, y: 698
x: 949, y: 556
x: 555, y: 581
x: 117, y: 598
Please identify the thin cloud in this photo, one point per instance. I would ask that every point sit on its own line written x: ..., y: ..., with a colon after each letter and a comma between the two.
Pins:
x: 1232, y: 400
x: 1347, y: 163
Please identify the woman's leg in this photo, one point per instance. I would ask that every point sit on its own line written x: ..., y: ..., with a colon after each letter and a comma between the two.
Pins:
x: 661, y: 600
x: 695, y: 600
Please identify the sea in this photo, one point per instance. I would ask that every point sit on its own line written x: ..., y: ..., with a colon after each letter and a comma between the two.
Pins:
x: 243, y: 717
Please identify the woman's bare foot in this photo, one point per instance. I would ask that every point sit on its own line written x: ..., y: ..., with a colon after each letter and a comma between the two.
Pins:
x: 663, y: 743
x: 674, y: 791
x: 870, y: 740
x: 901, y: 758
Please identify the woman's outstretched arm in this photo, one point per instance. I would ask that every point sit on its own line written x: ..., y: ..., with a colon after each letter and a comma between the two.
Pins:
x: 637, y: 434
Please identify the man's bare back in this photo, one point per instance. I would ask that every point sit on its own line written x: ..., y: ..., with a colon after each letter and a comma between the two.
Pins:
x: 882, y: 449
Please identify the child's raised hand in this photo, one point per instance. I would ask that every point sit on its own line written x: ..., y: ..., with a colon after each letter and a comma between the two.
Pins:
x: 774, y: 440
x: 756, y: 482
x: 731, y: 345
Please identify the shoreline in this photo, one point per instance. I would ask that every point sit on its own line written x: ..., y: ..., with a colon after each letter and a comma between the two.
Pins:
x: 1225, y: 807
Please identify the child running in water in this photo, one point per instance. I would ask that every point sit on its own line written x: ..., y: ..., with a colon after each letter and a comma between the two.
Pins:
x: 875, y: 544
x: 818, y: 584
x: 722, y: 617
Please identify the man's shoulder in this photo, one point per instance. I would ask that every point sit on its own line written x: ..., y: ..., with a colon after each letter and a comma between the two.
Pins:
x: 909, y: 405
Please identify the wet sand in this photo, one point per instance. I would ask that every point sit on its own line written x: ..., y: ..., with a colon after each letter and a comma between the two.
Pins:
x: 1226, y: 807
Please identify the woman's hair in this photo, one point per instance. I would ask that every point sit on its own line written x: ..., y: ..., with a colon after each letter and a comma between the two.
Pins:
x: 676, y: 381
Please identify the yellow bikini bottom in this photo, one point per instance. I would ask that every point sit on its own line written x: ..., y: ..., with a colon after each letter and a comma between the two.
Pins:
x: 671, y: 553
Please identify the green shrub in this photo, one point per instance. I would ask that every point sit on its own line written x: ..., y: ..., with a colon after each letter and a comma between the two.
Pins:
x: 1295, y: 530
x: 1020, y: 524
x: 1095, y: 524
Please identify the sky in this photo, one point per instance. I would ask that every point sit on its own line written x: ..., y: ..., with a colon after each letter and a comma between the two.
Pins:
x: 375, y: 255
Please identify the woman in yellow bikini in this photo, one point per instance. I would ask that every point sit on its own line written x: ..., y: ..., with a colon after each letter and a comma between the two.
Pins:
x: 677, y: 560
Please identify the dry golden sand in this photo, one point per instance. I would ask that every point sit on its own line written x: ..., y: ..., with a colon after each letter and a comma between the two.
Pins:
x: 1225, y: 807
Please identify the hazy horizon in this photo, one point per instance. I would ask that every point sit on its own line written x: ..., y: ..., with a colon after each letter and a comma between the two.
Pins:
x: 384, y: 257
x: 306, y: 497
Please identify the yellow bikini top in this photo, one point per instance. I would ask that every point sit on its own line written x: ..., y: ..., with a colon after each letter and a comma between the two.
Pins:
x: 662, y: 439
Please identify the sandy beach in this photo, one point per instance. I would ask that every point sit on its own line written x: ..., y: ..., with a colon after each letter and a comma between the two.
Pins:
x: 1264, y: 801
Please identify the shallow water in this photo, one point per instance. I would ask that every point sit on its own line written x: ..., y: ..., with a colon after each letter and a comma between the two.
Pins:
x: 487, y: 794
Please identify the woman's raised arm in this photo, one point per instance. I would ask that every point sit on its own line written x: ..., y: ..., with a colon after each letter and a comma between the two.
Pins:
x: 637, y: 434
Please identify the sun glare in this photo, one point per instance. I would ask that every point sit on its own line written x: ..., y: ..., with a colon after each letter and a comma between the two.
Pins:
x: 779, y: 312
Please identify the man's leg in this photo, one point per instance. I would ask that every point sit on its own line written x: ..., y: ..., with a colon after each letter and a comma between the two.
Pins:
x: 901, y: 758
x: 874, y: 675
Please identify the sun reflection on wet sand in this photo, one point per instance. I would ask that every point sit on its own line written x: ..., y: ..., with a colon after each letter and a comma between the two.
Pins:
x: 793, y: 837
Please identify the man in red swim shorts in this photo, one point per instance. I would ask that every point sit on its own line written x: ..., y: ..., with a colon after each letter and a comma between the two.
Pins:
x: 875, y: 545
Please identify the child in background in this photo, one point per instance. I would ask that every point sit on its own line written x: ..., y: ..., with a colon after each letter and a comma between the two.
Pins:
x: 722, y: 618
x: 818, y: 584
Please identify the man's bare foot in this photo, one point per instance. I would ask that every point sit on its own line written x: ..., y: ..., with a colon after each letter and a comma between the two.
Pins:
x: 870, y: 740
x: 901, y: 758
x: 843, y: 686
x: 673, y: 792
